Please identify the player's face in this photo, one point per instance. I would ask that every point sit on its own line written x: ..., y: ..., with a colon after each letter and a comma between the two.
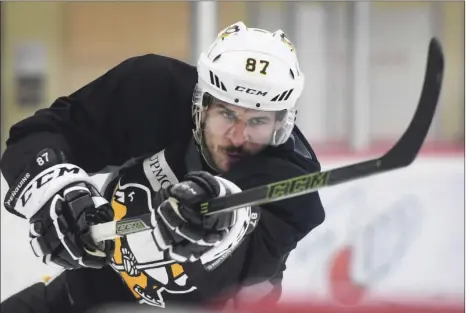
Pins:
x: 232, y: 132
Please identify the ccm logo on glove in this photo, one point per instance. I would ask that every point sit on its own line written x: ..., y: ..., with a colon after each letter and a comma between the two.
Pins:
x: 41, y: 181
x: 27, y: 199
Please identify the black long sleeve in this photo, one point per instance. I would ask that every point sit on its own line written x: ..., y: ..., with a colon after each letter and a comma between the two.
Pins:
x: 137, y: 107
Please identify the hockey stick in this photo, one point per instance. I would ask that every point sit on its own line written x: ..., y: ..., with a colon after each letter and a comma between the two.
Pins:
x: 401, y: 155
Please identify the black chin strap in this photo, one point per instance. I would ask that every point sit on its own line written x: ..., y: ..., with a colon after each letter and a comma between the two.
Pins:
x: 195, y: 161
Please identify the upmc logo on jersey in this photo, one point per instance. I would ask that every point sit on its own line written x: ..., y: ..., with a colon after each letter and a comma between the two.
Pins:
x: 158, y: 172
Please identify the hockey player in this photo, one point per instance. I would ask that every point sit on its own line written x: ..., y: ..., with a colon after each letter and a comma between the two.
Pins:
x: 169, y: 136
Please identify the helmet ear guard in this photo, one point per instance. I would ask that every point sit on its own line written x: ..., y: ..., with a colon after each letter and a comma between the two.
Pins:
x: 281, y: 134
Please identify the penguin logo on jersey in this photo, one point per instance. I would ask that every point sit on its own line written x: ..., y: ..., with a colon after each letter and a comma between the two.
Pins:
x: 146, y: 270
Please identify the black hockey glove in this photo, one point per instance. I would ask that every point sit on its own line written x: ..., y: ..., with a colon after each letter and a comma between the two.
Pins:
x: 60, y: 202
x: 184, y: 232
x: 60, y: 230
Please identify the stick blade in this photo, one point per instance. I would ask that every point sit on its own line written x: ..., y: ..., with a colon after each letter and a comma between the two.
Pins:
x: 408, y: 146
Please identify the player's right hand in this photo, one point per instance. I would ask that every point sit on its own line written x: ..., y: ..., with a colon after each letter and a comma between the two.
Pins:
x: 60, y: 230
x: 61, y: 203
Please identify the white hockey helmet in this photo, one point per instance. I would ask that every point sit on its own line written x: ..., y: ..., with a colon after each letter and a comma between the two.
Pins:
x: 254, y: 69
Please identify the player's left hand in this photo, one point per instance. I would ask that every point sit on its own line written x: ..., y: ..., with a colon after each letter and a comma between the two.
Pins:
x: 184, y: 232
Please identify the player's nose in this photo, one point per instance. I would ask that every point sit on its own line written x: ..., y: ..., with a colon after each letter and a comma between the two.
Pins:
x: 237, y: 135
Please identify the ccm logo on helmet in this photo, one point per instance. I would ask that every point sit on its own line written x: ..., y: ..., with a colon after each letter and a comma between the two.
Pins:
x: 251, y: 91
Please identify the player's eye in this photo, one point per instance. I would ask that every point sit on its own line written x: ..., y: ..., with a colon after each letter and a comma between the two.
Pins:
x: 258, y: 121
x: 229, y: 115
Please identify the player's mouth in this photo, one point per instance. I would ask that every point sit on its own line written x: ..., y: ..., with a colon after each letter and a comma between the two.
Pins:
x: 233, y: 157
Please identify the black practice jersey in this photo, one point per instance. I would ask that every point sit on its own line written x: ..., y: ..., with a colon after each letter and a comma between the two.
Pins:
x: 141, y: 110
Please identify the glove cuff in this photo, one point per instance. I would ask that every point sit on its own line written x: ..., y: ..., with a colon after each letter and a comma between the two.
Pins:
x: 218, y: 254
